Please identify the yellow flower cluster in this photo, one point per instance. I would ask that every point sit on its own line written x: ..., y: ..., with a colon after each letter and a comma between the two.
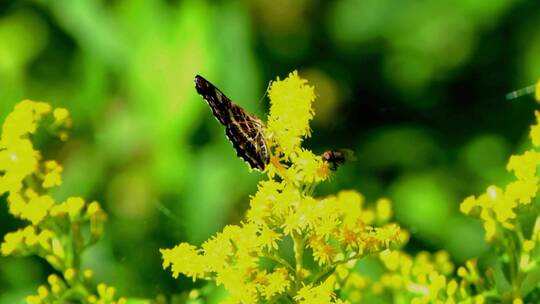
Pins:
x: 61, y: 290
x: 424, y: 278
x: 497, y: 207
x: 55, y: 230
x: 512, y: 226
x: 250, y: 260
x: 290, y: 112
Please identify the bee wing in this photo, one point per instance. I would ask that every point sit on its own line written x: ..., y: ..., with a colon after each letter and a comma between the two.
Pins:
x: 348, y: 154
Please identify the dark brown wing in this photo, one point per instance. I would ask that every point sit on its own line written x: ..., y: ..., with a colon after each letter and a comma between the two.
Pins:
x: 244, y: 130
x: 218, y: 102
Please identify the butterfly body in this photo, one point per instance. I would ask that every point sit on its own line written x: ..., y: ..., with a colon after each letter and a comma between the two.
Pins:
x: 244, y: 130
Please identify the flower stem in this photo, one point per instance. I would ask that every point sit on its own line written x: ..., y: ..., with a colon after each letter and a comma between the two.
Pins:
x: 299, y: 257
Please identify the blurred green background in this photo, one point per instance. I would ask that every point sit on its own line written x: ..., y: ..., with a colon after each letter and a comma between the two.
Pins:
x: 415, y: 88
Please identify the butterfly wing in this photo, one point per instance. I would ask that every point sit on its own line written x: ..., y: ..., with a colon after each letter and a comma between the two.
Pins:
x: 218, y: 102
x: 246, y: 135
x: 243, y: 130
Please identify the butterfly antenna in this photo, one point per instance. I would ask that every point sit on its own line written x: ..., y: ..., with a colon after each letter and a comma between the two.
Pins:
x: 266, y: 91
x: 521, y: 92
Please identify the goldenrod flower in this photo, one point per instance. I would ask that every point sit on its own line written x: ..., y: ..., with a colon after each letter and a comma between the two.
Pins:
x: 535, y: 130
x: 383, y: 209
x: 290, y: 112
x: 335, y: 229
x: 53, y: 174
x: 317, y: 294
x: 61, y: 116
x: 277, y: 283
x: 183, y: 258
x: 524, y: 166
x: 23, y: 120
x: 18, y: 159
x: 55, y: 229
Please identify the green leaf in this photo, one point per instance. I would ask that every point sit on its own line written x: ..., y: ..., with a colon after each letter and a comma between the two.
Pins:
x: 530, y: 282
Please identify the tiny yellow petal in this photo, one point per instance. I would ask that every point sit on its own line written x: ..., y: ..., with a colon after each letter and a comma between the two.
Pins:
x: 452, y: 287
x: 528, y: 245
x: 60, y: 114
x: 383, y: 208
x: 88, y: 274
x: 69, y: 274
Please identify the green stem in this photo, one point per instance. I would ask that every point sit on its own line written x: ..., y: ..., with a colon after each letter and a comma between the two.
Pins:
x: 333, y: 267
x: 513, y: 259
x: 299, y: 257
x: 281, y: 261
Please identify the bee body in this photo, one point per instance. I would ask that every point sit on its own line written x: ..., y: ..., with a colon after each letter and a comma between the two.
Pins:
x: 337, y: 157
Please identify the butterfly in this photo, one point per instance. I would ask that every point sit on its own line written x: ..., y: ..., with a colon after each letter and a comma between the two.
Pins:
x: 244, y: 130
x: 337, y: 157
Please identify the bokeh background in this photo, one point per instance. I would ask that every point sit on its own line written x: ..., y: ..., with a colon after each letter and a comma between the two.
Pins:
x: 415, y: 88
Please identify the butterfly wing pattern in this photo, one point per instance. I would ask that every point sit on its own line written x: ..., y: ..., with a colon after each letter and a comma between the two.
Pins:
x: 244, y: 131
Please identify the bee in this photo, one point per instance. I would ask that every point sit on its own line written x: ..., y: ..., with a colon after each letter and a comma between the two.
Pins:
x: 337, y: 157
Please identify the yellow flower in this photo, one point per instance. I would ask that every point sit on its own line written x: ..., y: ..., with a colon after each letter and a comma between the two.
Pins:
x: 12, y: 240
x: 184, y: 258
x: 522, y: 190
x: 72, y: 207
x: 524, y: 166
x: 535, y: 130
x: 468, y: 204
x: 326, y: 226
x: 232, y: 281
x: 34, y: 300
x: 23, y: 120
x: 93, y: 209
x: 490, y: 226
x: 105, y: 292
x: 61, y: 117
x: 383, y: 209
x: 88, y: 274
x: 43, y: 291
x: 528, y: 245
x: 262, y: 202
x: 451, y: 288
x: 307, y: 167
x: 34, y: 210
x: 293, y: 223
x: 391, y: 259
x: 269, y: 238
x: 278, y: 282
x: 17, y: 160
x: 319, y: 294
x: 334, y: 229
x: 290, y: 112
x: 350, y: 206
x: 289, y: 197
x: 53, y: 175
x: 217, y: 251
x: 480, y: 299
